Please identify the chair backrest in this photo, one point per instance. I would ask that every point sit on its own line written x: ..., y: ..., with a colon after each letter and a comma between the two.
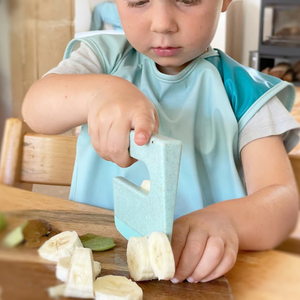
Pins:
x: 29, y: 158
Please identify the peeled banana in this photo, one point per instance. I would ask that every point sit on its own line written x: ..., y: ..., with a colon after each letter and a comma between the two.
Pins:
x: 116, y: 288
x: 56, y: 291
x: 60, y: 245
x: 80, y: 279
x: 146, y: 184
x: 150, y: 257
x: 138, y: 259
x: 63, y: 267
x: 161, y: 256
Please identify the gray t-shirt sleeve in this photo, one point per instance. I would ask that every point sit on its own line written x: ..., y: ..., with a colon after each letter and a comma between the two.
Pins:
x: 82, y: 61
x: 272, y: 119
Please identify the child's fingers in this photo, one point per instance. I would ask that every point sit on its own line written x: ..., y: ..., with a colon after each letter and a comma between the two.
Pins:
x: 190, y: 255
x: 145, y: 124
x: 211, y: 258
x: 111, y: 140
x: 141, y: 137
x: 178, y: 241
x: 118, y: 143
x: 98, y: 138
x: 225, y: 265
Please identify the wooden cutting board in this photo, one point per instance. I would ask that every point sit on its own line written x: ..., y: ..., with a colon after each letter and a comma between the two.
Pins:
x: 26, y: 276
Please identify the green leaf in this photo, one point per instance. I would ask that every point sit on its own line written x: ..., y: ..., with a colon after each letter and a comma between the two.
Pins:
x: 96, y: 242
x: 3, y: 222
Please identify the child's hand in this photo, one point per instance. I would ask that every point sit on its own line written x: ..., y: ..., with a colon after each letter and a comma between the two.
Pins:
x: 205, y: 246
x: 113, y: 113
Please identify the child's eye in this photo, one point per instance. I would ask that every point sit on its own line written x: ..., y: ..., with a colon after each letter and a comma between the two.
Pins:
x: 137, y: 3
x: 189, y: 2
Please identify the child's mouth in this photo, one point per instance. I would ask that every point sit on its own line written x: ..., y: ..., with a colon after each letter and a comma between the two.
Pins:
x: 166, y: 51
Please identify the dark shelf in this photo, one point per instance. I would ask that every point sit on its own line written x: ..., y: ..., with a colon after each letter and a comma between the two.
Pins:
x: 279, y: 51
x: 280, y: 2
x: 274, y: 47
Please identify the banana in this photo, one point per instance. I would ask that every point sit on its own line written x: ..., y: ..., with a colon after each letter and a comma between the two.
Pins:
x: 97, y: 269
x: 150, y: 257
x: 138, y: 259
x: 60, y: 245
x: 63, y: 266
x: 80, y: 279
x: 161, y: 256
x: 146, y: 185
x: 112, y: 287
x: 56, y: 291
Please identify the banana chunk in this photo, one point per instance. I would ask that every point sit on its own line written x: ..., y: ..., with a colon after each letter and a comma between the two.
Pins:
x: 146, y: 184
x: 56, y: 291
x: 150, y: 257
x: 161, y: 256
x: 81, y: 277
x: 112, y: 287
x: 63, y: 267
x: 97, y: 269
x: 138, y: 259
x: 60, y: 245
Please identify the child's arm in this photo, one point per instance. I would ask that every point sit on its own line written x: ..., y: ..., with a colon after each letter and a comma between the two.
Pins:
x: 110, y: 105
x: 206, y: 242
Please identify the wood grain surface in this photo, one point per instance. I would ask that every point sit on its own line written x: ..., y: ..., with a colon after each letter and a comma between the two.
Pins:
x: 24, y: 275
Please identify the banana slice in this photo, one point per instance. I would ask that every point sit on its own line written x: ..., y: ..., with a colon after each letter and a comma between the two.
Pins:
x: 63, y: 267
x: 81, y: 278
x: 60, y: 245
x: 138, y: 259
x: 146, y: 184
x: 150, y: 257
x: 56, y: 291
x: 97, y: 269
x: 161, y: 256
x: 112, y: 287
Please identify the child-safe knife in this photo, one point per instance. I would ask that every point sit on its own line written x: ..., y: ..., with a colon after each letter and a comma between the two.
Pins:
x: 137, y: 211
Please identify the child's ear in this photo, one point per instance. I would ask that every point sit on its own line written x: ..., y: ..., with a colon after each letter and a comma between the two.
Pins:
x: 225, y: 5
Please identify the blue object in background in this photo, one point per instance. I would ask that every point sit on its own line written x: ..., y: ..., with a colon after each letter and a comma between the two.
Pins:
x: 106, y: 12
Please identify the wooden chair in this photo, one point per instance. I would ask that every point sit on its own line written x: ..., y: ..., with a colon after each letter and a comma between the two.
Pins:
x: 29, y: 158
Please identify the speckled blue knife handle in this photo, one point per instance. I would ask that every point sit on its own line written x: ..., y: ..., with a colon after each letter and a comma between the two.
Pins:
x: 137, y: 212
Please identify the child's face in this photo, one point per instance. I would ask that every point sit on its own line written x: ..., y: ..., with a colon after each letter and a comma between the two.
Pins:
x: 170, y: 32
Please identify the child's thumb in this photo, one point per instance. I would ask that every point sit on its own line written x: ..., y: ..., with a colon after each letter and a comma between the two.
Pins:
x: 145, y: 123
x: 144, y: 127
x: 141, y: 137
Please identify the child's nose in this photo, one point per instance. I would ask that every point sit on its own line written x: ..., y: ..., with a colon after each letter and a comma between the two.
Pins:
x: 163, y: 20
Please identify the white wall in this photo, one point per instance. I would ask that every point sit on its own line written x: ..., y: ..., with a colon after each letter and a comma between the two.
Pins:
x: 219, y: 40
x: 251, y: 15
x: 83, y: 14
x: 251, y: 10
x: 5, y: 80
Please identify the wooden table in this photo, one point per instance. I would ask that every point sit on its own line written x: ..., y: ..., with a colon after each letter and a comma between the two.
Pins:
x: 257, y: 275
